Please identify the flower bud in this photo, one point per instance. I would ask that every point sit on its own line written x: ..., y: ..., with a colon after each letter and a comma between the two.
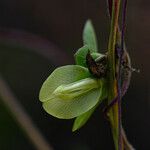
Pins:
x: 75, y: 89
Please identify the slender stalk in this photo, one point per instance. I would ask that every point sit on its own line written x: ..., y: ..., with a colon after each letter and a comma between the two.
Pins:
x: 120, y: 41
x: 120, y: 71
x: 112, y: 85
x: 127, y: 145
x: 22, y: 118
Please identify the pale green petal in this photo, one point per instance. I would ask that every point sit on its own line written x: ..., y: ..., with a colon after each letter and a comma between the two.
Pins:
x: 72, y: 108
x: 63, y: 75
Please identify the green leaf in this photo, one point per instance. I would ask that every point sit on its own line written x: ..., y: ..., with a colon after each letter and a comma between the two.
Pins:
x: 97, y: 56
x: 67, y: 109
x: 83, y: 118
x: 80, y: 55
x: 89, y: 36
x: 62, y: 75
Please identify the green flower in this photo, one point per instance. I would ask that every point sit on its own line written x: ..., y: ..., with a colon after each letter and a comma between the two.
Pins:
x: 71, y: 91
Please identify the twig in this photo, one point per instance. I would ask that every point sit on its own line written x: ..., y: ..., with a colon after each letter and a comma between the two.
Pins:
x: 120, y: 41
x: 112, y: 86
x: 119, y: 89
x: 127, y: 145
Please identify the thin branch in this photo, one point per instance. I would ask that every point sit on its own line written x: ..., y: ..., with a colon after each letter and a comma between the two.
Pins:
x: 18, y: 112
x: 120, y: 41
x: 119, y: 80
x: 112, y: 85
x: 127, y: 145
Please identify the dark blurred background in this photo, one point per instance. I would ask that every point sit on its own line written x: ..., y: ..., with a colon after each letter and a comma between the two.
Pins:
x: 36, y: 37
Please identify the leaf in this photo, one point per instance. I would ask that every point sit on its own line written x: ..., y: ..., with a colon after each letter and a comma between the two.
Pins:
x: 80, y: 55
x: 62, y: 75
x: 82, y: 119
x: 96, y: 55
x: 89, y: 36
x: 67, y: 109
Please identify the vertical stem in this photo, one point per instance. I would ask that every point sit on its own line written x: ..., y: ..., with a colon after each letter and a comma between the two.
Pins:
x: 120, y: 41
x: 121, y: 51
x: 112, y: 86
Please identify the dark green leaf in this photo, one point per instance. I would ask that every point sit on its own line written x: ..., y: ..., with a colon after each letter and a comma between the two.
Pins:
x: 82, y: 119
x: 80, y: 55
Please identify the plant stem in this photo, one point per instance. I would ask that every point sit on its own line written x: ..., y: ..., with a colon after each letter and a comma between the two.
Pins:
x: 120, y: 41
x: 120, y: 54
x: 112, y: 85
x: 127, y: 145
